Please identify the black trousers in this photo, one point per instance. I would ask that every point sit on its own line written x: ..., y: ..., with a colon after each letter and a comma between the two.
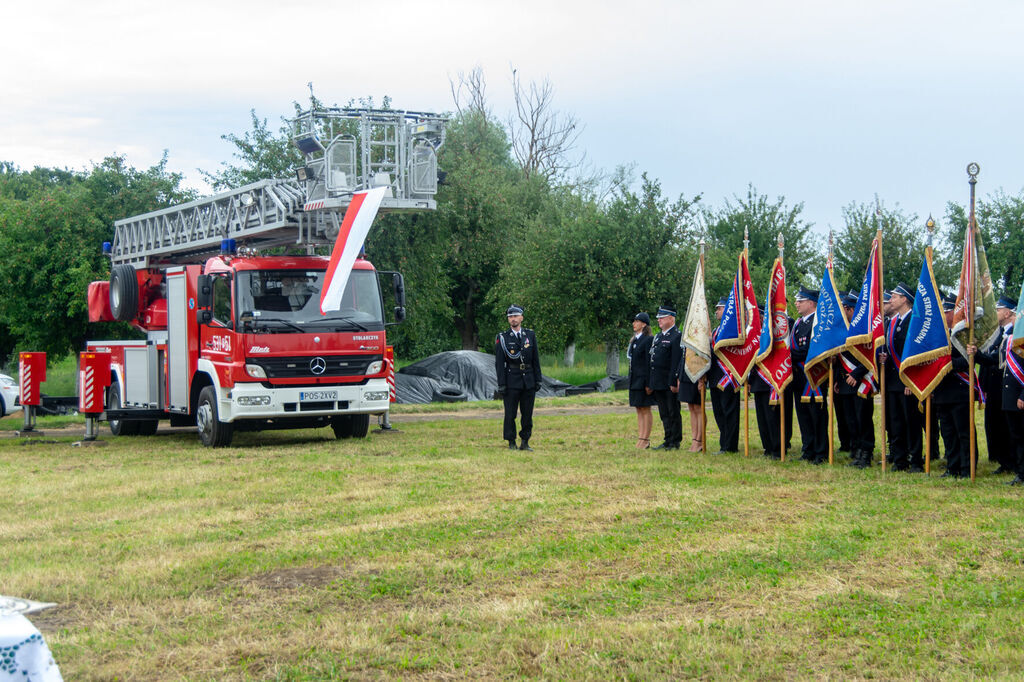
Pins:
x: 726, y: 407
x: 671, y: 419
x: 521, y: 400
x: 844, y: 427
x: 954, y: 422
x: 812, y: 418
x: 859, y: 414
x: 904, y: 429
x: 997, y: 433
x: 767, y: 423
x: 1015, y: 425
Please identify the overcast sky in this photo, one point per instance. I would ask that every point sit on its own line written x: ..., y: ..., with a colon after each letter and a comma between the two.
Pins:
x: 824, y: 102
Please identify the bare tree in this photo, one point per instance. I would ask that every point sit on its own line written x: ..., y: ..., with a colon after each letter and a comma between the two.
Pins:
x: 543, y: 138
x: 469, y: 92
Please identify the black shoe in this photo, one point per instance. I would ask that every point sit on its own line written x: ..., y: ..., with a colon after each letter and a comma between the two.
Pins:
x: 512, y: 445
x: 855, y: 458
x: 916, y: 469
x: 819, y: 460
x: 1017, y: 481
x: 526, y: 446
x: 1003, y: 470
x: 671, y: 447
x: 663, y: 446
x: 949, y: 474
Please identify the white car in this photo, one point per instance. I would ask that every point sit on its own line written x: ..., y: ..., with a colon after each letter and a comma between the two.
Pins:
x: 9, y: 393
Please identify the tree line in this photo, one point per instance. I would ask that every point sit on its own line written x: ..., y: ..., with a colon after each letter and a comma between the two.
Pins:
x: 521, y: 218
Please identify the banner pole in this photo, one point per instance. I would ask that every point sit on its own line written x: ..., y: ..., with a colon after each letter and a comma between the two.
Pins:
x: 972, y: 172
x: 881, y: 370
x: 831, y: 415
x: 704, y: 385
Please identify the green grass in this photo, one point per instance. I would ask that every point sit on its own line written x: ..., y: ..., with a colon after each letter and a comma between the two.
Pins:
x: 436, y: 552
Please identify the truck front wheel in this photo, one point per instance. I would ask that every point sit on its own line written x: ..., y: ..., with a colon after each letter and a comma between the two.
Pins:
x: 212, y: 432
x: 119, y: 427
x: 349, y: 426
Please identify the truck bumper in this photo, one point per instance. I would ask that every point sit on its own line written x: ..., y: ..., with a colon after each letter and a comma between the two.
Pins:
x: 254, y: 401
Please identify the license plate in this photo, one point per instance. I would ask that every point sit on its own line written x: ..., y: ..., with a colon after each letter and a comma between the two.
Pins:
x: 318, y: 395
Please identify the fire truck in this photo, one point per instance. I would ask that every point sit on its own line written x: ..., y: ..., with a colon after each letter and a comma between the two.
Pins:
x: 226, y: 290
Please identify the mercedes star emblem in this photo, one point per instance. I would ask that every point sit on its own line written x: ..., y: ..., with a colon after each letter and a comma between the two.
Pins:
x: 317, y: 365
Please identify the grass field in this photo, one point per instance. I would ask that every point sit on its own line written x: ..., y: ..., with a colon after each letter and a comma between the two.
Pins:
x: 434, y: 552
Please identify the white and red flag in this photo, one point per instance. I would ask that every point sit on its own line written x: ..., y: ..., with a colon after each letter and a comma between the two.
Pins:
x: 354, y: 228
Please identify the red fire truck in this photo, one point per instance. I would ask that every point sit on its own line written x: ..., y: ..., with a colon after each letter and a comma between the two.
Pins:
x: 227, y: 290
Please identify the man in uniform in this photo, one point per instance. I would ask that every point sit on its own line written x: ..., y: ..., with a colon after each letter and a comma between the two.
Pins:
x: 905, y: 420
x: 666, y: 353
x: 857, y: 409
x: 990, y: 376
x: 811, y: 414
x: 517, y: 365
x: 725, y: 395
x: 950, y: 407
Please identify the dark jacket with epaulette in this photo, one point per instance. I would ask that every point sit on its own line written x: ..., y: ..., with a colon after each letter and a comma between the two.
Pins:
x: 516, y: 364
x: 893, y: 383
x: 639, y: 354
x: 665, y: 355
x: 952, y: 389
x: 990, y: 371
x: 858, y: 372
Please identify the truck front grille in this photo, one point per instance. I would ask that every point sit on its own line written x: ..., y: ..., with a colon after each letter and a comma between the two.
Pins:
x: 307, y: 366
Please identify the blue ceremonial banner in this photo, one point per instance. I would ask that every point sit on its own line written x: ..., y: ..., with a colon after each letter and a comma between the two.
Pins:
x: 926, y: 358
x: 731, y: 325
x: 830, y: 331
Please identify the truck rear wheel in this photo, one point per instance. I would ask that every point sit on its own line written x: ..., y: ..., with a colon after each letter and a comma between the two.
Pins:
x: 124, y: 292
x: 119, y: 427
x: 212, y: 432
x: 351, y: 426
x: 147, y: 427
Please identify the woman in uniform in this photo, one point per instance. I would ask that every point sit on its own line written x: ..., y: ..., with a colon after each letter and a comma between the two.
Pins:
x: 640, y: 395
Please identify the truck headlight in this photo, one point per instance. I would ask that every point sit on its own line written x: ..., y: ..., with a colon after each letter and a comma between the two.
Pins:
x: 253, y: 400
x: 255, y: 371
x: 373, y: 396
x: 375, y: 367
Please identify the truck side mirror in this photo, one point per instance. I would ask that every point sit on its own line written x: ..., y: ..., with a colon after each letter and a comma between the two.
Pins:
x: 204, y: 291
x: 398, y: 282
x: 204, y: 316
x: 399, y: 313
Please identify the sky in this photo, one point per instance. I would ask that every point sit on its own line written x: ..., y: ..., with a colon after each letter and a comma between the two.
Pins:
x: 824, y: 102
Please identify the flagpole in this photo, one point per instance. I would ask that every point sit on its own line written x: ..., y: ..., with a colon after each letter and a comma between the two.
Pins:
x: 881, y: 370
x: 928, y: 401
x: 703, y: 388
x: 782, y: 393
x: 831, y: 385
x: 972, y: 173
x: 746, y: 384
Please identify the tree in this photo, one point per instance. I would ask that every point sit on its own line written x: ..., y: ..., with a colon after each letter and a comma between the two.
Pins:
x: 763, y: 220
x: 903, y: 243
x: 587, y: 269
x: 52, y: 225
x: 1001, y: 220
x: 542, y: 137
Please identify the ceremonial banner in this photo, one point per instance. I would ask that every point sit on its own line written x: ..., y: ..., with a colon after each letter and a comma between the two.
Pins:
x: 773, y: 357
x: 867, y: 328
x: 354, y: 228
x: 739, y: 333
x: 926, y: 355
x: 830, y: 330
x: 696, y: 330
x: 975, y: 285
x: 1017, y: 342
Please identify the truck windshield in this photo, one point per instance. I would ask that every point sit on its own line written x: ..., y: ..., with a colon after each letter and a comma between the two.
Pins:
x: 288, y: 301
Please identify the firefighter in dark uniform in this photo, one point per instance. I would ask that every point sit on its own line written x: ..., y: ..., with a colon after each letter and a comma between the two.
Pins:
x: 905, y: 420
x: 1013, y: 405
x: 990, y: 377
x: 951, y: 409
x: 725, y: 396
x: 811, y: 414
x: 666, y: 354
x: 517, y: 365
x: 857, y: 408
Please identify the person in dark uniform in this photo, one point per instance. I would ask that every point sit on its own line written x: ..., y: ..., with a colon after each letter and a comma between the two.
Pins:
x: 843, y: 429
x: 638, y: 353
x: 811, y: 414
x: 666, y: 354
x: 725, y: 396
x: 951, y: 409
x: 517, y: 364
x: 905, y: 420
x: 856, y: 407
x: 1013, y: 404
x: 990, y: 376
x: 767, y: 415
